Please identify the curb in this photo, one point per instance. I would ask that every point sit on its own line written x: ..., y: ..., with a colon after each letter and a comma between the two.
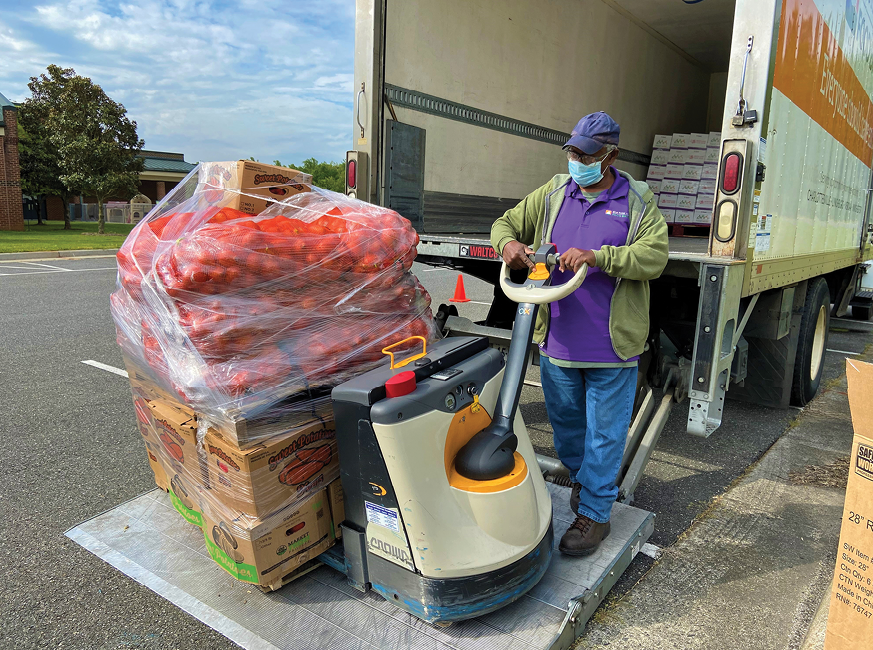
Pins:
x: 47, y: 255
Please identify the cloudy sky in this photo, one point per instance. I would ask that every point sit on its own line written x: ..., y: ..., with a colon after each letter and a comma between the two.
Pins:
x: 214, y: 80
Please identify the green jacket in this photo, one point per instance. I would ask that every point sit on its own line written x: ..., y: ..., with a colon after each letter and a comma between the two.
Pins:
x: 642, y: 259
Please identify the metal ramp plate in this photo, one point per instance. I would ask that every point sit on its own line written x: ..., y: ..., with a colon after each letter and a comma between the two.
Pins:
x: 147, y: 540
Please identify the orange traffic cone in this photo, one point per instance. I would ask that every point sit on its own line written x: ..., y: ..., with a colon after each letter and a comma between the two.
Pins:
x: 460, y: 294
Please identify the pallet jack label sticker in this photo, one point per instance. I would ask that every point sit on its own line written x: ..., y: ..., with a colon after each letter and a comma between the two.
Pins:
x: 762, y: 237
x: 386, y: 517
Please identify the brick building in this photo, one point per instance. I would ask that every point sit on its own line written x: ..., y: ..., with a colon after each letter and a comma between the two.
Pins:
x: 11, y: 212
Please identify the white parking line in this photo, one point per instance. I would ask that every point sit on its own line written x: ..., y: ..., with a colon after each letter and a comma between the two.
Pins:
x: 851, y: 354
x: 651, y: 550
x: 103, y: 366
x: 108, y: 268
x: 49, y: 266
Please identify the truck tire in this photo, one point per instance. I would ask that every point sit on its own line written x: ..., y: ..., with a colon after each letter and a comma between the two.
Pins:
x: 812, y: 341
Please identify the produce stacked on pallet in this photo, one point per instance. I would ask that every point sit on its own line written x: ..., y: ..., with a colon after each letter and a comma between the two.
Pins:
x: 234, y: 328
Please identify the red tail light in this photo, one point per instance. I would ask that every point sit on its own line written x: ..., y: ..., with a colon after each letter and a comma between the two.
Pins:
x: 731, y: 173
x: 351, y: 170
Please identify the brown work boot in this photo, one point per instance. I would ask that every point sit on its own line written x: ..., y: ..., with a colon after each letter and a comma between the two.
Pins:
x: 574, y: 497
x: 583, y: 536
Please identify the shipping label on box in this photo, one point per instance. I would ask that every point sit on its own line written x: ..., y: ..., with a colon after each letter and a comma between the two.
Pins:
x: 670, y: 186
x: 674, y: 171
x: 850, y: 620
x: 680, y: 141
x: 714, y: 140
x: 692, y: 172
x: 655, y: 186
x: 667, y: 200
x: 273, y: 474
x: 669, y: 214
x: 265, y: 551
x: 656, y: 172
x: 689, y: 187
x: 696, y: 156
x: 710, y: 172
x: 663, y: 142
x: 686, y: 201
x: 678, y: 156
x: 703, y: 217
x: 712, y: 156
x: 684, y: 216
x: 707, y: 186
x: 660, y: 157
x: 705, y: 201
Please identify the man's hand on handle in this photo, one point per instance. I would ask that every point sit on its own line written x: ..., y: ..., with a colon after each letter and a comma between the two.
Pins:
x: 515, y: 254
x: 573, y: 259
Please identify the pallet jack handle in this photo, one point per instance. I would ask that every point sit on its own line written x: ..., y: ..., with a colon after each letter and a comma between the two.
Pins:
x: 489, y: 454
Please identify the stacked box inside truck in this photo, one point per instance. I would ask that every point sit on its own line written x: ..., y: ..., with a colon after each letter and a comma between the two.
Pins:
x: 683, y: 176
x: 234, y: 327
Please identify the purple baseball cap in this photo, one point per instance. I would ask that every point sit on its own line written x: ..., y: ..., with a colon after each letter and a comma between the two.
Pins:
x: 592, y: 132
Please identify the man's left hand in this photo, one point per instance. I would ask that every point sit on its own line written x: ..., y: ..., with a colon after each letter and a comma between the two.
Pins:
x: 573, y: 259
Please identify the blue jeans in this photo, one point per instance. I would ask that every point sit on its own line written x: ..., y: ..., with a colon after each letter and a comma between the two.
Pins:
x: 590, y: 411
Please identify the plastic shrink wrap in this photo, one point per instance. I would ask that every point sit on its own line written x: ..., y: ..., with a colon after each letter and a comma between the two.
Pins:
x: 235, y: 327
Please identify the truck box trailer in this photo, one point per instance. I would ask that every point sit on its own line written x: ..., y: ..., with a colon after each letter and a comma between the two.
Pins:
x: 461, y: 108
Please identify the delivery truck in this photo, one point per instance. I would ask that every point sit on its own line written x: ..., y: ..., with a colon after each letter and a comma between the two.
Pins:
x: 461, y: 109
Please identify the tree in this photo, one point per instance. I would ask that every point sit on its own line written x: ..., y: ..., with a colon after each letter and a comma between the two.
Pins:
x: 329, y: 175
x: 96, y: 143
x: 38, y: 157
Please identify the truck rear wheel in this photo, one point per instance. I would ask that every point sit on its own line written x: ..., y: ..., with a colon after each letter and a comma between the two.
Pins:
x: 812, y: 342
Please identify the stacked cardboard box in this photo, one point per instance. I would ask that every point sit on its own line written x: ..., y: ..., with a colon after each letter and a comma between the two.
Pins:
x: 267, y: 510
x: 682, y: 175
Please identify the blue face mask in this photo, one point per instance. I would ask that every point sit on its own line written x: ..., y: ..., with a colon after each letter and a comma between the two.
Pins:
x: 585, y: 175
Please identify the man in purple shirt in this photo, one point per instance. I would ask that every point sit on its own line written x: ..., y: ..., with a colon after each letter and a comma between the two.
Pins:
x: 591, y: 340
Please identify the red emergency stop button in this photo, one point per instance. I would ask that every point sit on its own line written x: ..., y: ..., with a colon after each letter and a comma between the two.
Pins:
x: 400, y: 384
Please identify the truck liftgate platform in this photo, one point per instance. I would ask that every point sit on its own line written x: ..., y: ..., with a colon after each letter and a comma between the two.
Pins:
x: 148, y: 541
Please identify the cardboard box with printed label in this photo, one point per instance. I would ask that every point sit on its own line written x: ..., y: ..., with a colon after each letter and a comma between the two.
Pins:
x: 698, y: 140
x: 269, y: 551
x: 713, y: 155
x: 707, y: 186
x: 705, y: 201
x: 696, y: 156
x: 686, y: 201
x: 850, y: 619
x: 710, y: 172
x: 677, y: 156
x: 662, y: 142
x: 660, y: 157
x: 259, y: 186
x: 656, y: 172
x: 692, y: 172
x: 680, y: 141
x: 703, y: 217
x: 714, y: 140
x: 674, y: 171
x: 669, y: 214
x: 670, y: 186
x: 689, y: 187
x: 684, y: 216
x: 263, y: 479
x: 655, y: 186
x: 667, y: 200
x: 337, y: 506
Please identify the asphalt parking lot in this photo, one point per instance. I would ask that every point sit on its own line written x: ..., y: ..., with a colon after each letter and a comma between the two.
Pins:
x: 71, y: 450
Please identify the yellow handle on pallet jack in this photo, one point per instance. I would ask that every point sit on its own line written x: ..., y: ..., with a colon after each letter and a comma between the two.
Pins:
x: 410, y: 359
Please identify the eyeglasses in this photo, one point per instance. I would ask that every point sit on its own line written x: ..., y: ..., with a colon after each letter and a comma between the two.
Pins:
x: 584, y: 158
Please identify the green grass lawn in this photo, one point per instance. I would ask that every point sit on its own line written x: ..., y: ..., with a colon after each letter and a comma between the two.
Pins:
x: 51, y: 236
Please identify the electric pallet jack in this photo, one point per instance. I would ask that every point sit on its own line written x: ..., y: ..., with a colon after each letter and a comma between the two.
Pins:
x: 447, y: 514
